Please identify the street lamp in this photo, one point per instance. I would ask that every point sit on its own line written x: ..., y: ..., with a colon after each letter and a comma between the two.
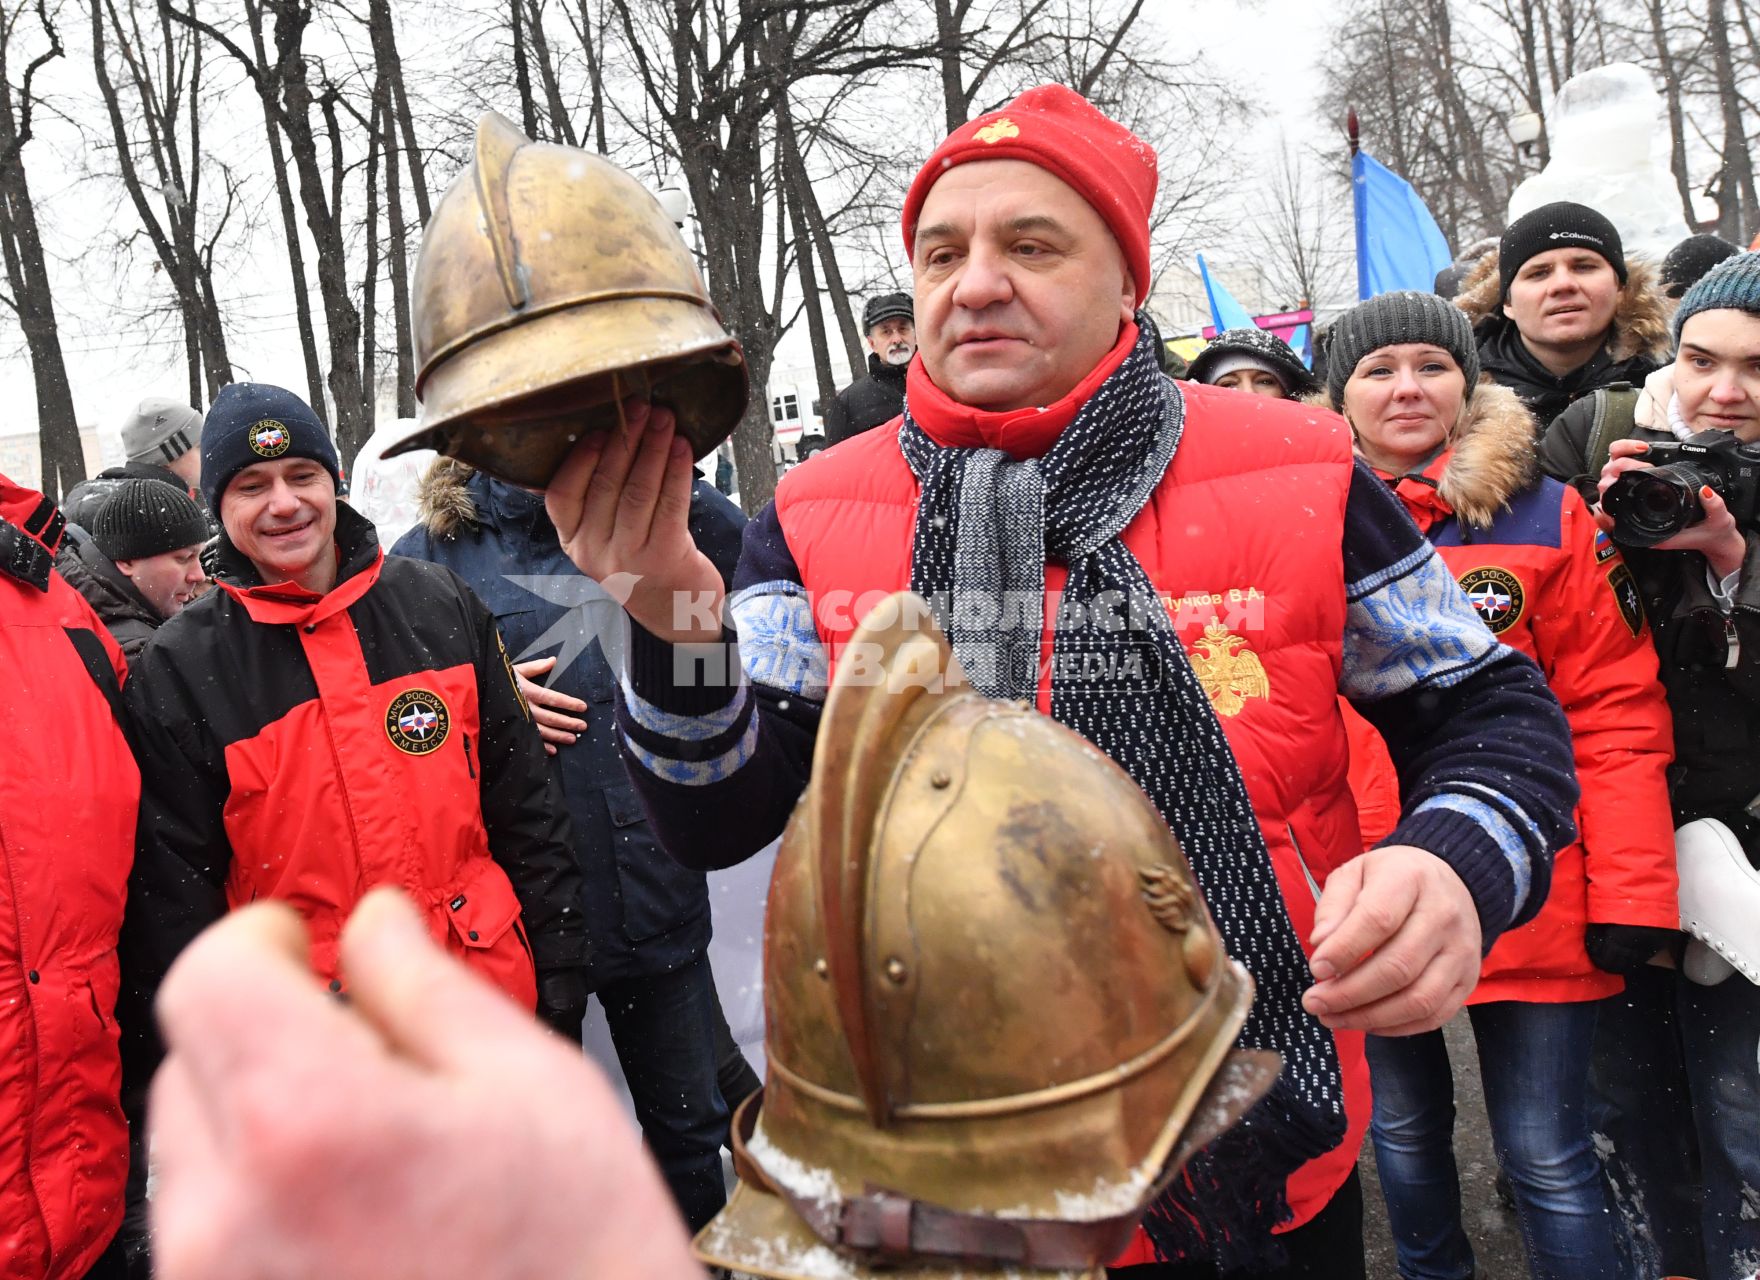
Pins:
x: 676, y: 201
x: 1524, y: 130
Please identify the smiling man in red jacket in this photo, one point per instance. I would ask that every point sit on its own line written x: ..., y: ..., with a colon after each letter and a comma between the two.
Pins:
x: 1069, y: 510
x: 68, y: 794
x: 330, y: 720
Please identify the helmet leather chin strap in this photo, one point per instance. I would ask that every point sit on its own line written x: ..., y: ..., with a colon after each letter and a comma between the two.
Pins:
x: 890, y: 1228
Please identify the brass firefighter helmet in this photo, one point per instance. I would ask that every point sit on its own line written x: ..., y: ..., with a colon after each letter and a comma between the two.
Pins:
x: 551, y: 284
x: 999, y: 1014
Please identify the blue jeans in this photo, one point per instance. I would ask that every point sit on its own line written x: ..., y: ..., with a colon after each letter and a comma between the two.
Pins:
x: 1534, y: 1063
x: 663, y: 1028
x: 1676, y: 1099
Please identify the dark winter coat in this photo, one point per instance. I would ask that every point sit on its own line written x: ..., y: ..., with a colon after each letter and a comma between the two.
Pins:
x: 125, y: 611
x: 1716, y: 707
x: 1637, y: 345
x: 645, y: 913
x: 868, y: 402
x: 84, y: 499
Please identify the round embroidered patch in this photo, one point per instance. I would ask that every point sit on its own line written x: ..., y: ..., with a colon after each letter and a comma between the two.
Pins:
x: 269, y: 439
x: 1496, y: 596
x: 417, y: 722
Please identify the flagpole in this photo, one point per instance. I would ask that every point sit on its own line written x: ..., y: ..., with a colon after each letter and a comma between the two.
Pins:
x: 1357, y: 210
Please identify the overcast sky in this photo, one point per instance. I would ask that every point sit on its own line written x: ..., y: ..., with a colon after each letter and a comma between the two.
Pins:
x: 1267, y: 46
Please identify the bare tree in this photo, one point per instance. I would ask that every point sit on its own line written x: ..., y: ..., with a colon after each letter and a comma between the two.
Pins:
x: 285, y: 88
x: 156, y: 125
x: 1300, y: 231
x: 712, y: 73
x: 32, y: 299
x: 1738, y: 208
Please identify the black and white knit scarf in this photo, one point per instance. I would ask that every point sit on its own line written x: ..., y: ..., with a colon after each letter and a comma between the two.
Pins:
x: 985, y: 528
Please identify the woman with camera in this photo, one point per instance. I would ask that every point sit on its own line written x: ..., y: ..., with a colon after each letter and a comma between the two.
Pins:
x: 1404, y: 371
x: 1677, y: 1062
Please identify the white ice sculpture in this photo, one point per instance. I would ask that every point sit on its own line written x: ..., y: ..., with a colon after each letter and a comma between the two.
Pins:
x: 1610, y: 151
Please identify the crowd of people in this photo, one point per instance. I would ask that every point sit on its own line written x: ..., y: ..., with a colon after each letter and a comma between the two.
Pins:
x: 1422, y: 715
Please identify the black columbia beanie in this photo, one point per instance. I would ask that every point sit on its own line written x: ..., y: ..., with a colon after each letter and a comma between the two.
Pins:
x: 1561, y: 225
x: 147, y: 518
x: 253, y: 422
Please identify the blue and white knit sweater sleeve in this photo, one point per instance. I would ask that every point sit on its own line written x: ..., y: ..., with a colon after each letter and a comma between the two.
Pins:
x: 1487, y: 780
x: 718, y: 739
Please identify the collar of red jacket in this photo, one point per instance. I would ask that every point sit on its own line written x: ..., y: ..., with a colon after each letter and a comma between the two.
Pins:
x: 1020, y: 433
x: 358, y: 561
x: 30, y: 534
x: 1418, y: 490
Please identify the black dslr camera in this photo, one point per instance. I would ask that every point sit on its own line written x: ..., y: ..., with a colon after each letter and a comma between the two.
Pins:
x: 1652, y: 506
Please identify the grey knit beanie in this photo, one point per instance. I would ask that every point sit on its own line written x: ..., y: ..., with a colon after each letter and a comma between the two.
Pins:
x: 161, y: 431
x: 1732, y: 285
x: 1389, y: 320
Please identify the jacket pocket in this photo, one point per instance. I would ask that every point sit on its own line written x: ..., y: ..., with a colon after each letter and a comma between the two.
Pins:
x: 482, y: 906
x: 482, y: 911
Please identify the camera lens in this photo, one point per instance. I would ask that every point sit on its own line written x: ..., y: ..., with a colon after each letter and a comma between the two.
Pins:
x: 1652, y: 506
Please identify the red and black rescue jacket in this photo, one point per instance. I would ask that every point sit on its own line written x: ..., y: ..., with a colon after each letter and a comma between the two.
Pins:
x: 308, y: 748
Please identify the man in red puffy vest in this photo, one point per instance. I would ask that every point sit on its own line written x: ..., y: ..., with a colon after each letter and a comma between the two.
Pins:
x: 1186, y: 576
x: 68, y: 795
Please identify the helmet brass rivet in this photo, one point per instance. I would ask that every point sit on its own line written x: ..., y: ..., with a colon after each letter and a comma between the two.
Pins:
x: 940, y: 780
x: 821, y: 968
x: 895, y: 969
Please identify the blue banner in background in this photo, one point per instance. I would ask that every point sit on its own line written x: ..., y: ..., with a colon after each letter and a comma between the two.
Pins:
x: 1225, y: 312
x: 1399, y: 245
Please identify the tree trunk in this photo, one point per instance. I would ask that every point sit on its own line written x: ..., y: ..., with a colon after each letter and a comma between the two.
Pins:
x: 399, y: 268
x: 1737, y: 211
x: 948, y: 53
x: 63, y: 460
x: 302, y: 306
x: 522, y: 76
x: 819, y: 235
x: 383, y: 33
x: 341, y: 320
x: 1671, y: 90
x: 370, y: 281
x: 561, y: 130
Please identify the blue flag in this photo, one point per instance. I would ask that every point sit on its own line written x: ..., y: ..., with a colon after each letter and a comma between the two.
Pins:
x: 1301, y: 341
x: 1225, y: 312
x: 1398, y: 243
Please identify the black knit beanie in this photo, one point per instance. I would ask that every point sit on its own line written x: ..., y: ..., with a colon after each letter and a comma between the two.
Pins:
x: 1260, y: 345
x: 253, y: 422
x: 1561, y: 225
x: 1392, y: 319
x: 1687, y: 263
x: 147, y: 518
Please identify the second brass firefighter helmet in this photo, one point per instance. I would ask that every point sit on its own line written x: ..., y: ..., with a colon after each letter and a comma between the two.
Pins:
x: 550, y: 285
x: 998, y: 1012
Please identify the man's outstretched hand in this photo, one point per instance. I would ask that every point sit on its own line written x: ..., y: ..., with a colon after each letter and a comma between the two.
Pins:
x: 427, y: 1128
x: 1396, y: 944
x: 621, y: 504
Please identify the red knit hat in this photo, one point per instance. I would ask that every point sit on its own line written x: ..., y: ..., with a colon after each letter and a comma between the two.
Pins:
x: 1067, y: 136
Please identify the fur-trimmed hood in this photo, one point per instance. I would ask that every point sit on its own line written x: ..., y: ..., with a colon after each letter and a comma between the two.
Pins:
x: 1490, y: 458
x: 446, y: 503
x: 1640, y: 321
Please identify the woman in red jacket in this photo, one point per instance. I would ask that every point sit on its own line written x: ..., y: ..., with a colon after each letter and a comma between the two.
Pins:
x: 1545, y: 580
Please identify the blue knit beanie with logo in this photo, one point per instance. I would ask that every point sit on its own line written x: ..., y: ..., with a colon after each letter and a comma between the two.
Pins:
x: 1732, y: 285
x: 253, y: 422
